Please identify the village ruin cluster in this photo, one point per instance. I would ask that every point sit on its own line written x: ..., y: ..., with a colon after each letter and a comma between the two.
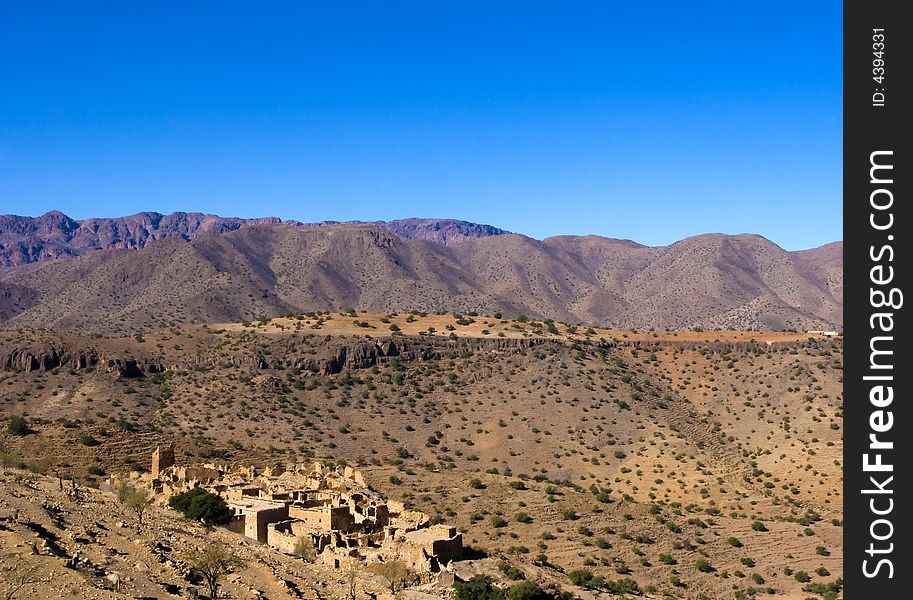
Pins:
x: 329, y: 509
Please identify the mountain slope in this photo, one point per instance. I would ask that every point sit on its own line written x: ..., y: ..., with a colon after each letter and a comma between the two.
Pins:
x: 54, y: 235
x: 270, y: 269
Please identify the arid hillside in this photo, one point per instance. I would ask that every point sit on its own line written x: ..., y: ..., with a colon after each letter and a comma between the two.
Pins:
x: 272, y: 269
x: 696, y: 464
x: 54, y: 235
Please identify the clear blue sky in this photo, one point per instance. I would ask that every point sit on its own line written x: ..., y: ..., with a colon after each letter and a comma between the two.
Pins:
x: 644, y: 120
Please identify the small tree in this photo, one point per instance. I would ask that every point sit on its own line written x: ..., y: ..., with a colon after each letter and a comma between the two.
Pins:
x: 134, y: 499
x: 351, y: 574
x: 212, y: 563
x: 17, y: 578
x: 395, y: 571
x: 304, y: 548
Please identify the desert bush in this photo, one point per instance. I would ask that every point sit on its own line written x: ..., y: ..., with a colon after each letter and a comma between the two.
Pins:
x: 480, y: 587
x: 510, y: 571
x: 18, y: 426
x: 829, y: 591
x: 703, y: 565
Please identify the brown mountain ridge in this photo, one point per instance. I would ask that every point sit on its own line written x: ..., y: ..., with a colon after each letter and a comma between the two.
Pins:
x: 150, y: 271
x: 54, y: 235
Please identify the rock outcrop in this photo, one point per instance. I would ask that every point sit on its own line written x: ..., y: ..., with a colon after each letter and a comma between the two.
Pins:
x: 50, y: 356
x: 47, y: 358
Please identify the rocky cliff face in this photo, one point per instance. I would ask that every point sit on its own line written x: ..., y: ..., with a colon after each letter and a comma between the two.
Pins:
x: 366, y: 355
x: 27, y: 356
x: 47, y: 357
x: 54, y: 235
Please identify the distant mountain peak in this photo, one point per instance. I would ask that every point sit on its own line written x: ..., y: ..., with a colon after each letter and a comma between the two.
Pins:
x: 441, y: 231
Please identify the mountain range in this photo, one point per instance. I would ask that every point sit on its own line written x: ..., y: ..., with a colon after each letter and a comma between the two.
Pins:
x: 148, y: 271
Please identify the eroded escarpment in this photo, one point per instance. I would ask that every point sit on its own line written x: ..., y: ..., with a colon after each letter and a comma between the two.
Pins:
x: 125, y: 359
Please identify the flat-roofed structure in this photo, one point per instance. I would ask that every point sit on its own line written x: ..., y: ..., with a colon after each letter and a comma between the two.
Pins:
x: 253, y: 516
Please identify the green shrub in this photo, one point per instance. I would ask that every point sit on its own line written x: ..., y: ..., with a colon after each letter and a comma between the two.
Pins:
x: 621, y: 586
x: 526, y: 590
x: 829, y: 591
x: 584, y: 578
x: 18, y: 426
x: 703, y: 565
x: 480, y: 587
x: 87, y: 440
x: 198, y: 504
x: 510, y: 571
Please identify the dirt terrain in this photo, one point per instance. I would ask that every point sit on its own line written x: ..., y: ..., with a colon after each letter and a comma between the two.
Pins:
x: 43, y: 526
x: 634, y: 454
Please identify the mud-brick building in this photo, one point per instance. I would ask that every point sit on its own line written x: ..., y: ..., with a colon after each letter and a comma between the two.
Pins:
x: 251, y: 517
x: 428, y: 548
x: 333, y: 518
